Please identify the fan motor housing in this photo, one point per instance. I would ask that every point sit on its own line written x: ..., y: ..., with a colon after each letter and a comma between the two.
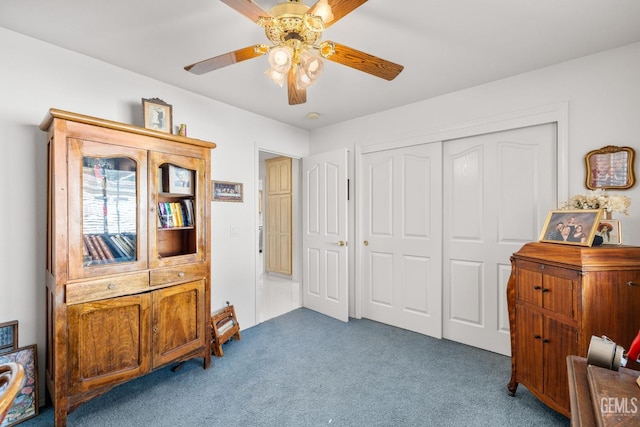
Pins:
x: 289, y: 25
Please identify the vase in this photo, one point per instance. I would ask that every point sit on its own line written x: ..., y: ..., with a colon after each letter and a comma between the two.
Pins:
x: 608, y: 214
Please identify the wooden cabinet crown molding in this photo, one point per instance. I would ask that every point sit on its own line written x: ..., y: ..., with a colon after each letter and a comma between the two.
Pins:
x: 55, y: 113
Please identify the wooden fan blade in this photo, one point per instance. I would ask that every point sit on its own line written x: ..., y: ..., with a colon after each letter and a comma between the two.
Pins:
x: 339, y: 8
x: 364, y: 62
x: 296, y: 96
x: 223, y: 60
x: 247, y: 8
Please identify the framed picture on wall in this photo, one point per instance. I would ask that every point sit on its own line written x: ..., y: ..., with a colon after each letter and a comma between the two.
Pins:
x: 610, y: 167
x: 571, y: 227
x: 225, y: 191
x: 157, y: 114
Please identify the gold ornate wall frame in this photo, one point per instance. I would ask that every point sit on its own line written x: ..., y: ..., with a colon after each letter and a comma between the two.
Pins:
x: 610, y: 167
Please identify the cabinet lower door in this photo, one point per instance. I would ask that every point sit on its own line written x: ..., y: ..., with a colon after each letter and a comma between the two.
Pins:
x: 560, y: 341
x: 108, y: 342
x: 528, y: 352
x: 178, y: 322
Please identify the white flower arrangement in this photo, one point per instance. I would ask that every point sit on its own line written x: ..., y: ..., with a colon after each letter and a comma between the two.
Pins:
x: 599, y: 199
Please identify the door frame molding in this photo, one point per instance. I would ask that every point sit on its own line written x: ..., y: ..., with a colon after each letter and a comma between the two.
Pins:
x: 557, y: 113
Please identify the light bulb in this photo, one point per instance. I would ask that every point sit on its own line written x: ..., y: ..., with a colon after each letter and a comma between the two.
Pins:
x: 280, y: 58
x: 275, y: 76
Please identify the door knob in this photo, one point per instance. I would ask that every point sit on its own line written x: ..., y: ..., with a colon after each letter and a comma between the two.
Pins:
x: 366, y: 243
x: 342, y: 243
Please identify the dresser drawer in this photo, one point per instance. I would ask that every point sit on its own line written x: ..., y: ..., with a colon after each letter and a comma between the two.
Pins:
x: 185, y: 273
x: 94, y: 290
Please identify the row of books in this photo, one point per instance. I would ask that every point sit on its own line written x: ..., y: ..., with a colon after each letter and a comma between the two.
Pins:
x: 176, y: 214
x: 108, y: 248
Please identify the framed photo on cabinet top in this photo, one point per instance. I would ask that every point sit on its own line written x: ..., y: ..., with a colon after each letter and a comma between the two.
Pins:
x: 571, y: 227
x: 610, y: 167
x: 157, y: 114
x: 610, y: 231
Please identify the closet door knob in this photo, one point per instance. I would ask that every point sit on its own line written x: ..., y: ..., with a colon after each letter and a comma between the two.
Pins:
x: 366, y: 243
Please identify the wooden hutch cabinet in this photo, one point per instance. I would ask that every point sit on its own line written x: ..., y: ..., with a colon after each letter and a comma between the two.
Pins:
x: 128, y: 254
x: 558, y: 297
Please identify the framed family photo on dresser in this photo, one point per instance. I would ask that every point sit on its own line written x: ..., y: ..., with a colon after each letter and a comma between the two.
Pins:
x: 571, y: 227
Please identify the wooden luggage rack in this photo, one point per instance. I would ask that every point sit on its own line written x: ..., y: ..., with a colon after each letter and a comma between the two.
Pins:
x: 224, y: 326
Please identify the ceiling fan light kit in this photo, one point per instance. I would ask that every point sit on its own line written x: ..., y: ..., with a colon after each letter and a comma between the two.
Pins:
x: 295, y: 30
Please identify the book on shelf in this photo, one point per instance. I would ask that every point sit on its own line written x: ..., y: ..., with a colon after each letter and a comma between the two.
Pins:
x: 176, y: 214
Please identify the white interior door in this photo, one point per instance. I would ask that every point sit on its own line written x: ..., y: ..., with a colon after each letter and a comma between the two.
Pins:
x: 498, y: 190
x: 324, y: 237
x: 402, y: 238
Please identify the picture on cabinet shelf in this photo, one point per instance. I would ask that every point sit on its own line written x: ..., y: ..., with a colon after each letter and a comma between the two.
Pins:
x: 571, y: 227
x: 157, y: 115
x: 224, y: 191
x: 26, y: 403
x: 609, y: 230
x: 176, y: 180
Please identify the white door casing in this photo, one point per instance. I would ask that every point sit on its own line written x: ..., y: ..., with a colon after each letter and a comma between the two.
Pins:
x: 400, y: 251
x: 324, y: 238
x: 498, y: 188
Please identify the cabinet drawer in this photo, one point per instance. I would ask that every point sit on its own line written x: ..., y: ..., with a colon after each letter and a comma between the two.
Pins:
x: 539, y: 267
x: 94, y: 290
x: 185, y: 273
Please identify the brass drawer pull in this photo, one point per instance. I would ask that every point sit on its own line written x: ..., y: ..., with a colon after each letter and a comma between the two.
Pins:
x: 630, y: 283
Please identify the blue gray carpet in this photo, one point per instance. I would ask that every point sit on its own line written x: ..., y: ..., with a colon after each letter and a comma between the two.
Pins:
x: 306, y: 369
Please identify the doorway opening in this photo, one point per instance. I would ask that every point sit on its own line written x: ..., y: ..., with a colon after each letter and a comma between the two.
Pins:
x: 277, y: 292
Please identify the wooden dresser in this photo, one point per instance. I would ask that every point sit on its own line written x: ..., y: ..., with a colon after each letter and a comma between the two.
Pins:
x: 558, y: 297
x: 128, y: 255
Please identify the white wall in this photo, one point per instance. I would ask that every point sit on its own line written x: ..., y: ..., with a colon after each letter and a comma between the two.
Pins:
x: 35, y: 76
x: 603, y: 93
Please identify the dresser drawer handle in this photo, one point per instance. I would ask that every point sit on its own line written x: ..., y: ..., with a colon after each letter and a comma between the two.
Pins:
x: 111, y: 286
x: 630, y: 283
x: 537, y: 288
x: 545, y: 290
x: 537, y: 337
x: 181, y: 274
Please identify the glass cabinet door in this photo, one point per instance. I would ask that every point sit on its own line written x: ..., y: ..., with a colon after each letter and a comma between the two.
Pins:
x: 176, y: 210
x: 106, y: 218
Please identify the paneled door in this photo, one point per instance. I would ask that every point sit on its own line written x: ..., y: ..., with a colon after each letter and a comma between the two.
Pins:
x: 498, y: 189
x: 401, y: 233
x: 324, y: 237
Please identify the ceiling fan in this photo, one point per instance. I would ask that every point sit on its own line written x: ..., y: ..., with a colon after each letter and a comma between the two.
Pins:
x: 296, y: 51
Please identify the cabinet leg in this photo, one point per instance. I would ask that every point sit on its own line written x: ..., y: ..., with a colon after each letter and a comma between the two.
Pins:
x: 512, y: 387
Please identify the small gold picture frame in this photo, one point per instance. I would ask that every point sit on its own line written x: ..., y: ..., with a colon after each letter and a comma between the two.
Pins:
x: 610, y: 167
x: 611, y: 231
x: 157, y: 114
x: 571, y: 227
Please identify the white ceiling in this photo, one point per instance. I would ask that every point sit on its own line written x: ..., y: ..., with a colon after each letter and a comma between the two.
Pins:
x: 445, y: 45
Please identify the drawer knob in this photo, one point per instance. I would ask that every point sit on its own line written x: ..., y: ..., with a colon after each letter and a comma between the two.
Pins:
x: 181, y: 274
x: 111, y: 286
x: 630, y: 283
x: 537, y: 288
